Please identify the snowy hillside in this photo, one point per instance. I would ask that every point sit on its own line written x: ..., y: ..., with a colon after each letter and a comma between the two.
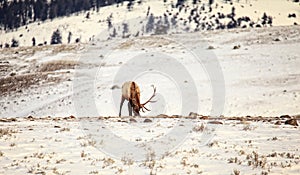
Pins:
x: 258, y: 74
x: 227, y: 100
x: 42, y: 87
x: 187, y: 18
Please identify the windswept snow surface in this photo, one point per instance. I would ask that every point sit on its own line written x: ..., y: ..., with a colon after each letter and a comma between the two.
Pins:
x: 63, y: 146
x: 260, y: 76
x: 250, y: 73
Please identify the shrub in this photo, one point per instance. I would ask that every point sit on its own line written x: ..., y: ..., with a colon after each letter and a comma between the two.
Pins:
x: 14, y: 43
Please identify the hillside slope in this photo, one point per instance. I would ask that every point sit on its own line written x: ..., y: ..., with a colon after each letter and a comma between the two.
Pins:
x: 87, y: 29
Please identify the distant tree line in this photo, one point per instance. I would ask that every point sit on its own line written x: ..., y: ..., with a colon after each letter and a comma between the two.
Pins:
x: 16, y: 13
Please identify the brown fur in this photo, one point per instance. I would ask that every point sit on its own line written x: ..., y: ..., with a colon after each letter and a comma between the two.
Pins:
x: 131, y: 92
x: 135, y: 97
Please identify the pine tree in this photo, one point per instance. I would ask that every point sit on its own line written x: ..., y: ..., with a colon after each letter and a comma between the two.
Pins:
x: 53, y: 9
x: 100, y: 3
x: 16, y: 13
x: 10, y: 20
x: 44, y: 11
x: 179, y: 3
x: 22, y: 13
x: 114, y: 33
x: 174, y: 21
x: 130, y: 5
x: 87, y: 16
x: 69, y: 37
x: 166, y: 22
x: 125, y: 30
x: 150, y: 24
x: 109, y: 23
x: 56, y: 37
x: 40, y: 10
x: 64, y: 7
x: 30, y: 9
x: 16, y: 10
x: 69, y: 6
x: 4, y: 14
x: 86, y: 5
x: 33, y: 41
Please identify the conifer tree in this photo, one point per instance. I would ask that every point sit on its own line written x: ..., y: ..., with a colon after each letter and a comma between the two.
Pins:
x: 56, y: 37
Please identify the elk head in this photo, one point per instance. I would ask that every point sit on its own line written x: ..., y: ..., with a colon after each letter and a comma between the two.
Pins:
x: 131, y: 93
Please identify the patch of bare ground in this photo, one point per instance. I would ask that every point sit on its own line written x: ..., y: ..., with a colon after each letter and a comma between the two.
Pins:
x: 148, y: 42
x: 15, y: 77
x: 7, y: 132
x: 17, y: 83
x: 45, y: 74
x: 5, y: 67
x: 27, y: 51
x: 278, y: 34
x: 57, y: 65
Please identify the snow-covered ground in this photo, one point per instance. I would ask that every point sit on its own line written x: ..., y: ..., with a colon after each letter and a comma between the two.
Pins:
x: 197, y: 72
x: 261, y: 78
x: 223, y: 74
x: 62, y: 146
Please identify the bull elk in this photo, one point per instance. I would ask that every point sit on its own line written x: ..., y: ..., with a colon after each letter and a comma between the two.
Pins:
x: 131, y: 93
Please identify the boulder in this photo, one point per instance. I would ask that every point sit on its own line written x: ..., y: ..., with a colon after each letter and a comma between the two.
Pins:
x: 215, y: 122
x: 278, y: 123
x: 292, y: 122
x: 132, y: 120
x: 147, y: 120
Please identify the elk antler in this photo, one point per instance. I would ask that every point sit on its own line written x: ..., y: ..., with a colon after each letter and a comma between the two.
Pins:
x: 150, y: 100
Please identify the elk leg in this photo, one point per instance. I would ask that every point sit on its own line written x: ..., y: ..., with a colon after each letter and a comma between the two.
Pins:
x: 129, y: 109
x: 136, y: 114
x: 121, y: 104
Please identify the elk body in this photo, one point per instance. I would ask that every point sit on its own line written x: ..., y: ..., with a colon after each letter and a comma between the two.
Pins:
x: 131, y: 93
